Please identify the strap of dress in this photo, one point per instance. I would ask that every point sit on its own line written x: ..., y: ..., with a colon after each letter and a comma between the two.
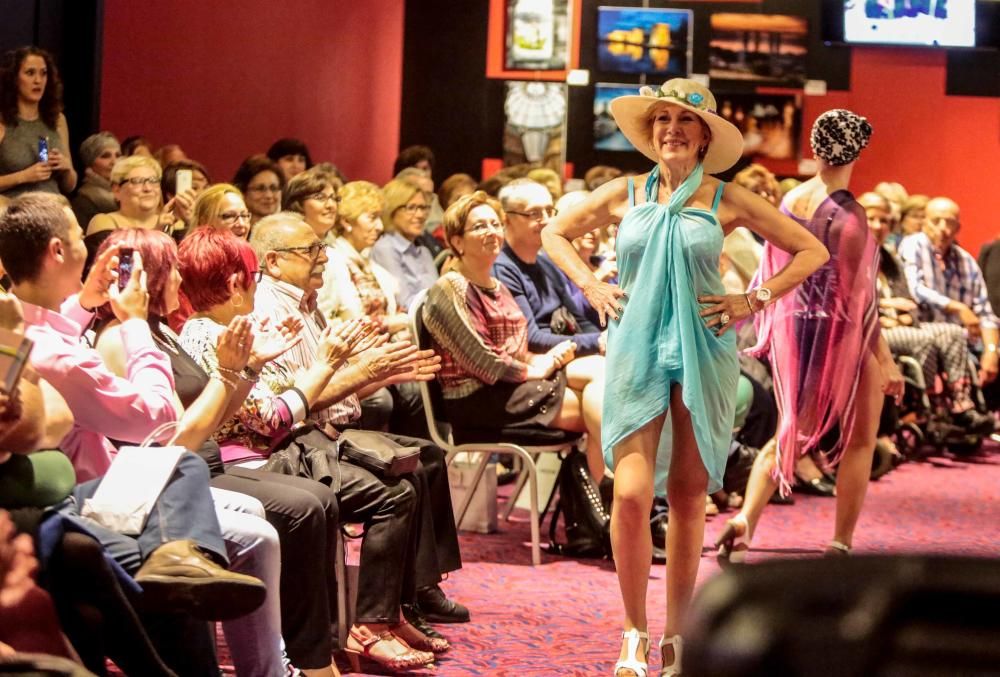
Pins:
x: 631, y: 192
x: 718, y: 196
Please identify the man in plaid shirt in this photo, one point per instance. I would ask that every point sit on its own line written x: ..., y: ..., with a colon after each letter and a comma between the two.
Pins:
x: 947, y: 282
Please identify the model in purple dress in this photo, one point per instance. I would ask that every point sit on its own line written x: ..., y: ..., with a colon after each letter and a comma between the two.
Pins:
x: 829, y: 361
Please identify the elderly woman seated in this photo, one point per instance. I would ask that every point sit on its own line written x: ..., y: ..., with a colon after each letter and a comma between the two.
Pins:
x: 399, y: 250
x: 135, y: 184
x: 98, y: 152
x: 490, y: 381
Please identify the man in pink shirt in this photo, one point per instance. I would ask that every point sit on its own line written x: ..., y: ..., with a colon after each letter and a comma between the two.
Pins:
x: 176, y: 557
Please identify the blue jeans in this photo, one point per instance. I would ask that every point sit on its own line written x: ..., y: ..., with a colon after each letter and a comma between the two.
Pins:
x: 185, y: 510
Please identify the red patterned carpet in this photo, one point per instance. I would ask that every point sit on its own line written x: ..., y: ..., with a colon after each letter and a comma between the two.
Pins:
x: 563, y: 617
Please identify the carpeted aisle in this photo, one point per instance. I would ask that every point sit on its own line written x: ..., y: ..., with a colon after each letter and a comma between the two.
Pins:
x: 563, y: 618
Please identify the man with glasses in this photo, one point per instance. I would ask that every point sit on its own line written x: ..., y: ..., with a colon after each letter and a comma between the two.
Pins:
x: 539, y: 287
x: 948, y: 284
x: 293, y: 259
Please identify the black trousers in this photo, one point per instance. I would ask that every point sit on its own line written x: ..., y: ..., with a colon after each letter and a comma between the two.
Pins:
x: 304, y: 513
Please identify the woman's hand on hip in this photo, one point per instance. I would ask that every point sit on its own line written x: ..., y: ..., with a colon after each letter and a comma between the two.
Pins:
x: 725, y: 311
x: 603, y: 298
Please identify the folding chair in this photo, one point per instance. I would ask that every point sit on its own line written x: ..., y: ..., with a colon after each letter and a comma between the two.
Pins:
x: 512, y: 444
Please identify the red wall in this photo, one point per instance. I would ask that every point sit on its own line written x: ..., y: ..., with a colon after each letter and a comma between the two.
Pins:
x: 225, y: 79
x: 931, y: 143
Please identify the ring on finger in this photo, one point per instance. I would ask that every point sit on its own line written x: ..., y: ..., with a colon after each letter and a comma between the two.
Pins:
x: 725, y: 318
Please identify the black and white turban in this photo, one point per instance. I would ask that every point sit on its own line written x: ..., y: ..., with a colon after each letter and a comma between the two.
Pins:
x: 838, y: 136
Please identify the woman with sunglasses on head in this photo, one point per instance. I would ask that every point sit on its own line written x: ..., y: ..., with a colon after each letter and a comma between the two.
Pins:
x: 31, y: 112
x: 261, y: 183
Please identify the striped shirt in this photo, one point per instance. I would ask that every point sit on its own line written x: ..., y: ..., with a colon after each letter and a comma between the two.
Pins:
x: 937, y: 279
x: 481, y: 335
x: 276, y: 300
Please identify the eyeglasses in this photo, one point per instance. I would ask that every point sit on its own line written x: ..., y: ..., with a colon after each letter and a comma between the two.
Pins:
x: 415, y: 209
x: 138, y: 181
x: 537, y: 214
x: 480, y: 227
x: 257, y: 275
x: 273, y: 188
x: 313, y: 250
x: 324, y: 197
x: 234, y: 217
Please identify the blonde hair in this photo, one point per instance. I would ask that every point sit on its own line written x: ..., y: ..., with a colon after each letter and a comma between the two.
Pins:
x: 124, y: 166
x: 357, y: 198
x: 397, y: 193
x: 208, y: 204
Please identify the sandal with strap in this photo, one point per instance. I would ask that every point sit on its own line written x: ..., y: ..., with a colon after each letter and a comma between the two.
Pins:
x: 638, y: 668
x: 416, y: 639
x: 411, y: 659
x: 837, y: 549
x: 733, y: 543
x: 674, y: 669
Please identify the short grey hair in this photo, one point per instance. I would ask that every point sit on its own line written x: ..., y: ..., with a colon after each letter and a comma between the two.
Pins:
x: 511, y: 195
x: 95, y: 144
x: 268, y: 234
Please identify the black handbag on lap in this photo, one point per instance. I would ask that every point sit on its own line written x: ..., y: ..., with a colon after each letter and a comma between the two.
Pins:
x: 377, y: 453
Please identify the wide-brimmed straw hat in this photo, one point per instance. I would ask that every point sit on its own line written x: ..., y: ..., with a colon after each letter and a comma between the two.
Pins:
x: 631, y: 112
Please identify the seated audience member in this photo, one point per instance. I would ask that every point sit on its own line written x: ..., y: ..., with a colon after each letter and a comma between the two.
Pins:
x: 423, y: 181
x: 302, y: 511
x: 399, y: 251
x: 261, y: 183
x: 420, y: 157
x: 353, y: 284
x: 454, y: 187
x: 98, y: 153
x: 136, y: 145
x: 32, y: 109
x: 947, y: 284
x: 911, y: 219
x: 200, y: 180
x: 176, y: 556
x: 291, y: 279
x: 598, y: 175
x: 291, y: 156
x: 219, y: 273
x: 588, y: 246
x: 740, y: 259
x: 135, y: 183
x: 221, y: 206
x: 315, y: 195
x: 758, y: 179
x: 540, y: 289
x: 549, y: 179
x: 169, y: 154
x: 489, y: 378
x: 939, y: 347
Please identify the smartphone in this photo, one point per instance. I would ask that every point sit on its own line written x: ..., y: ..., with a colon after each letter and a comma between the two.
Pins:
x: 184, y: 179
x: 43, y: 149
x: 14, y: 352
x: 124, y: 266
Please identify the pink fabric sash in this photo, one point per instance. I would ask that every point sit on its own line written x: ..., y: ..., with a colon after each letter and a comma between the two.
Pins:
x: 816, y: 337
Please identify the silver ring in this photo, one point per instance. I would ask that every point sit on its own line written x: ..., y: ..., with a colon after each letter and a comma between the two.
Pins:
x: 725, y: 318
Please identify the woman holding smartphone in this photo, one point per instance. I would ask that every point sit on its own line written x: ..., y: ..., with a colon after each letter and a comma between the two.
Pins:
x: 34, y: 136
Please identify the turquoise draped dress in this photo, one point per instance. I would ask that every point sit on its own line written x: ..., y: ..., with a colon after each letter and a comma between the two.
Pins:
x: 668, y: 256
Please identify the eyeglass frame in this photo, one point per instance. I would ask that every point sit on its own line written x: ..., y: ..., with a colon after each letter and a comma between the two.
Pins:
x: 320, y: 198
x: 272, y: 188
x: 318, y: 245
x: 545, y: 213
x: 138, y: 182
x: 236, y: 218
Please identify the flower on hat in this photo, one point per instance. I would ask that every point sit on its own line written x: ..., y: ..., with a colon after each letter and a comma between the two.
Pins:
x: 695, y: 98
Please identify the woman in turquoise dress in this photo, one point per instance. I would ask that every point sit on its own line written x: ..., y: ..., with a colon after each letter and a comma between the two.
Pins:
x: 669, y: 346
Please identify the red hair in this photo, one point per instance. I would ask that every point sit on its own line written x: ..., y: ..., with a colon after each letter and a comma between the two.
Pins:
x: 159, y: 257
x: 208, y: 257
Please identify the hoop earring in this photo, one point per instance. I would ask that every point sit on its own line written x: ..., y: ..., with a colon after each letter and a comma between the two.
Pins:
x: 235, y: 302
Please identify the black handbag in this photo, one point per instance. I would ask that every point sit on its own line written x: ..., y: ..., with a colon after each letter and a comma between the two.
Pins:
x: 586, y: 522
x: 377, y: 453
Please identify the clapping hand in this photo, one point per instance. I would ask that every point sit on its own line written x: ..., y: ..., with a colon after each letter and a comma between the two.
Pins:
x: 391, y: 360
x: 272, y: 342
x: 339, y: 343
x: 235, y: 344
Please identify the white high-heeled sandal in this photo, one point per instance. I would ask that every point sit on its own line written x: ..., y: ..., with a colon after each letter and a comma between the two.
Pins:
x: 837, y: 549
x: 674, y: 669
x: 640, y: 668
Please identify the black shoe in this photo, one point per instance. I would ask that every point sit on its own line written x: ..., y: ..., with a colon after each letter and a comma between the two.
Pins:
x: 606, y: 487
x: 974, y: 422
x: 778, y: 499
x: 817, y: 486
x: 414, y: 618
x: 436, y: 608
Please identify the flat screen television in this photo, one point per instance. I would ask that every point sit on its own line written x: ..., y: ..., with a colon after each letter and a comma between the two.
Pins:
x: 919, y: 23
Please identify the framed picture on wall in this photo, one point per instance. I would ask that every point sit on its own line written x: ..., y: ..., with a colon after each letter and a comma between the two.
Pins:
x: 655, y: 42
x: 759, y: 48
x: 535, y: 124
x: 537, y: 35
x: 771, y: 123
x: 607, y: 136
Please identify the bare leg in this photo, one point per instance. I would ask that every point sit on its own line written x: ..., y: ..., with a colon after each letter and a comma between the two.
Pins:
x: 586, y: 377
x: 631, y: 541
x: 856, y: 463
x: 686, y: 489
x: 760, y: 487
